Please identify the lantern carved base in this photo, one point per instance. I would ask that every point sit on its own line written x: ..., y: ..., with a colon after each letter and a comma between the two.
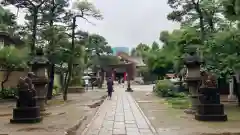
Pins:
x: 193, y: 89
x: 129, y: 89
x: 194, y: 102
x: 41, y: 103
x: 40, y: 84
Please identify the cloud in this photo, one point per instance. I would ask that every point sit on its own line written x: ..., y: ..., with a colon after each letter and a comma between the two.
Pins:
x: 127, y: 22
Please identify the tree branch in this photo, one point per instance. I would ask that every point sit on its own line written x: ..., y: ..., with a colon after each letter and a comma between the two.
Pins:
x: 82, y: 16
x: 31, y: 3
x: 88, y: 21
x: 42, y: 2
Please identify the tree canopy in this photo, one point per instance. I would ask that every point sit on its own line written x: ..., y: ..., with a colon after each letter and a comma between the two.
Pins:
x: 209, y: 26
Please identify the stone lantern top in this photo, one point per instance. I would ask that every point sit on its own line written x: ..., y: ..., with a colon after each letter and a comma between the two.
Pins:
x: 39, y: 58
x: 192, y: 59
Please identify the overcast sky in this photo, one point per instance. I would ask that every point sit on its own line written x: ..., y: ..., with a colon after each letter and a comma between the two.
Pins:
x: 128, y: 22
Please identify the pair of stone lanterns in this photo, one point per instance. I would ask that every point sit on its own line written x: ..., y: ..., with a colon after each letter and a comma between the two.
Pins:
x: 32, y: 91
x: 204, y: 94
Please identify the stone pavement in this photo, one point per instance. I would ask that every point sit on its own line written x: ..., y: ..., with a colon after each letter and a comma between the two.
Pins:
x: 119, y: 116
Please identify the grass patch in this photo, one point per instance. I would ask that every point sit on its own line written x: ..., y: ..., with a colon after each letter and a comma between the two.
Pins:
x: 232, y: 111
x: 178, y: 103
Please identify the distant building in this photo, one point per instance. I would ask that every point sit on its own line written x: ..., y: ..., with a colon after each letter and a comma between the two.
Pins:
x: 117, y: 50
x: 7, y: 40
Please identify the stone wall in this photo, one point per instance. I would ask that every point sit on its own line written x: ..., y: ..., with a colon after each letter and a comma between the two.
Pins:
x: 12, y: 79
x: 15, y: 75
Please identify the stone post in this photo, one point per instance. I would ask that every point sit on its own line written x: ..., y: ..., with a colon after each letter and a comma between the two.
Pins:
x: 237, y: 85
x: 192, y: 78
x: 231, y: 96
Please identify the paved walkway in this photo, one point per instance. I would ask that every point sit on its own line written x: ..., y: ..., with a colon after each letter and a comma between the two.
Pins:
x: 119, y: 116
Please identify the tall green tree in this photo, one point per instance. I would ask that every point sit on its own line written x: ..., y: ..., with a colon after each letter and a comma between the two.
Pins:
x: 48, y: 19
x: 83, y: 10
x: 33, y: 7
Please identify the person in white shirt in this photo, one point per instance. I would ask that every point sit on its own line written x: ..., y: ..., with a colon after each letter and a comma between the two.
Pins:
x: 86, y: 84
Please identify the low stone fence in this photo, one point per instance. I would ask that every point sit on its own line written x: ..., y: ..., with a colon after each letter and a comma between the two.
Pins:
x: 76, y: 89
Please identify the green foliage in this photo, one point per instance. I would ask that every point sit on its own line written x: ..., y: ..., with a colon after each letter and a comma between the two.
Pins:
x: 86, y: 8
x: 179, y: 103
x: 7, y: 17
x: 56, y: 90
x: 158, y: 64
x: 8, y: 93
x: 164, y: 88
x: 148, y: 77
x: 155, y: 46
x: 12, y: 58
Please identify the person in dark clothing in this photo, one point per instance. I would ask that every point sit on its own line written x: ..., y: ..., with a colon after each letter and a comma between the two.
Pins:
x: 93, y: 83
x: 119, y: 80
x: 123, y: 82
x: 109, y: 87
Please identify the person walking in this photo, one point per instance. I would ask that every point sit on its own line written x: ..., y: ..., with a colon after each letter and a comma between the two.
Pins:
x: 86, y: 84
x: 119, y: 80
x: 123, y: 82
x: 93, y: 83
x: 109, y: 87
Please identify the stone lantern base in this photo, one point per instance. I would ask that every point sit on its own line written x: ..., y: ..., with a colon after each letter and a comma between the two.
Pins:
x: 210, y: 108
x: 193, y: 90
x: 41, y: 89
x: 41, y: 103
x: 129, y: 89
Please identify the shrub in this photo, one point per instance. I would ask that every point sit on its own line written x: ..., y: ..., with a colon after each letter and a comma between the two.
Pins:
x: 8, y: 93
x: 56, y: 90
x: 165, y: 88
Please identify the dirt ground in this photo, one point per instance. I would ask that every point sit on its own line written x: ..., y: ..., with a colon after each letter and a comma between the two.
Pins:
x: 58, y: 118
x: 170, y: 121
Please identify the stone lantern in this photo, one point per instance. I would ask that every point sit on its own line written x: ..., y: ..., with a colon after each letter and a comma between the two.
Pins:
x: 39, y: 65
x: 192, y: 78
x: 130, y: 74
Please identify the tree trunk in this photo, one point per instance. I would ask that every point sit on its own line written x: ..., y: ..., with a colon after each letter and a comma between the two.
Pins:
x: 51, y: 48
x: 201, y: 19
x: 5, y: 79
x: 100, y: 84
x: 202, y: 26
x: 34, y: 29
x: 70, y: 63
x: 51, y: 81
x: 64, y: 86
x: 209, y: 19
